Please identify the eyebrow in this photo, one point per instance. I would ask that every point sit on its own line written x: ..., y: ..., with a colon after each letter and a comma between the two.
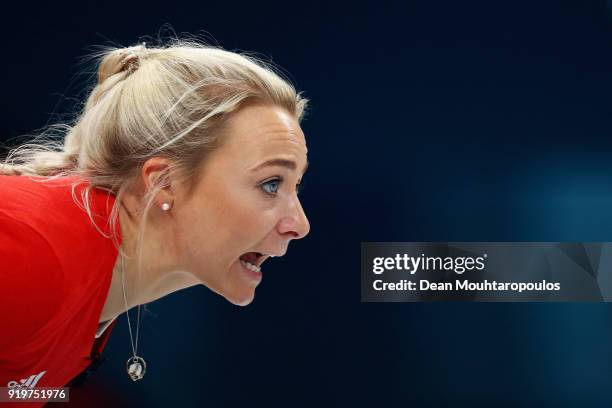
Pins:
x: 290, y: 164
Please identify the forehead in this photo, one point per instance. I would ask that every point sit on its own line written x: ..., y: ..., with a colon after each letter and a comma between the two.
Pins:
x: 263, y: 129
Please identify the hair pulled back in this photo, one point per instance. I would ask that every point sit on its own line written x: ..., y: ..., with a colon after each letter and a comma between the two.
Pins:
x: 169, y: 101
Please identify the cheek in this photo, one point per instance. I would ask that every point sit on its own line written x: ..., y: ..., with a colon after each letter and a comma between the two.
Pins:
x: 230, y: 220
x: 246, y: 222
x: 228, y: 215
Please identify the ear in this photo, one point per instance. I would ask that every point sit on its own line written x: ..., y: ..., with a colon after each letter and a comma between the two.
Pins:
x: 157, y: 171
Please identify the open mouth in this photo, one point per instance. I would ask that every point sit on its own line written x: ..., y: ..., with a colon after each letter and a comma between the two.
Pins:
x: 252, y: 261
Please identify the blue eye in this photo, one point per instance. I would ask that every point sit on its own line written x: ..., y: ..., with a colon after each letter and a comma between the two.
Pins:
x: 271, y: 187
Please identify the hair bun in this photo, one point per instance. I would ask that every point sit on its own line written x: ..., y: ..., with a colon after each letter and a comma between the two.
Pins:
x: 124, y: 59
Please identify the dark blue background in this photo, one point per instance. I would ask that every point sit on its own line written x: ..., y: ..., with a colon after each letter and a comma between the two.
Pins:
x: 429, y: 121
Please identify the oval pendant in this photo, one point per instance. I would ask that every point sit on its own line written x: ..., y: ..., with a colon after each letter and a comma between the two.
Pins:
x: 136, y: 368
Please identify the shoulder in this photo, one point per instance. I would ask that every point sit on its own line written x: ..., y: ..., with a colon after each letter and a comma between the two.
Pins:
x: 32, y: 285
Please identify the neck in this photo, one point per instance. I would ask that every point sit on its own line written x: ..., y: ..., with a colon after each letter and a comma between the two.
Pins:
x: 159, y: 273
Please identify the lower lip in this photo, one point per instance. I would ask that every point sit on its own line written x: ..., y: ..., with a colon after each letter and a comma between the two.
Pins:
x: 254, y: 276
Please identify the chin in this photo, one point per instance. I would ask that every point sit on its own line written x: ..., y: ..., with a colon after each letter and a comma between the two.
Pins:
x: 243, y: 300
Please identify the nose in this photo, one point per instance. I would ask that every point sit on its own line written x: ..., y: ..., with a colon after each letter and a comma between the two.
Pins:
x: 295, y: 225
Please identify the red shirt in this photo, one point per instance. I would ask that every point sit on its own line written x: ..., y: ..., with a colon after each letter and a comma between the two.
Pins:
x: 56, y: 270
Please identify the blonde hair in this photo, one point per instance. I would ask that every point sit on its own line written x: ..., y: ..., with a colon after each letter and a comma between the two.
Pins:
x: 170, y: 101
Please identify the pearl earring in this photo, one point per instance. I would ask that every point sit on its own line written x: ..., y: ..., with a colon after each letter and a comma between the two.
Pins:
x: 165, y: 206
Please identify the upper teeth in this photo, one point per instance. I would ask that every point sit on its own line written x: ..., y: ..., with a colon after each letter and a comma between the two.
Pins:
x: 250, y: 266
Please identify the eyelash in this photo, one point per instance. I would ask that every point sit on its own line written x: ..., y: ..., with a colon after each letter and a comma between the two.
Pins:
x: 299, y: 187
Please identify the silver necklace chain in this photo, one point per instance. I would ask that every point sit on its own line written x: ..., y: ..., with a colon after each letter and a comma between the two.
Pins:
x: 134, y: 344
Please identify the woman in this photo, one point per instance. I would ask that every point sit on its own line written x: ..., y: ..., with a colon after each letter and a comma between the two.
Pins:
x: 182, y: 169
